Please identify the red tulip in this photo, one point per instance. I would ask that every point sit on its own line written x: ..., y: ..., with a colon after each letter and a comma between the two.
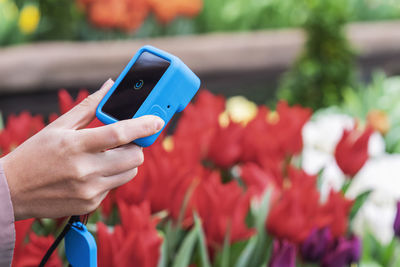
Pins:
x: 226, y: 146
x: 22, y: 229
x: 198, y: 125
x: 259, y: 140
x: 222, y: 208
x: 66, y: 101
x: 275, y: 134
x: 335, y: 213
x: 289, y: 127
x: 163, y: 180
x: 256, y: 179
x: 135, y: 242
x: 18, y: 129
x: 352, y: 150
x: 300, y: 202
x: 33, y: 252
x: 292, y: 217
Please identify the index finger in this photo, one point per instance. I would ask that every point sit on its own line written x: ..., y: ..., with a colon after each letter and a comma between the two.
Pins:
x: 119, y: 133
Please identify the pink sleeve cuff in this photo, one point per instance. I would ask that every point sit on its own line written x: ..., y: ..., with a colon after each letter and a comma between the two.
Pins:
x: 7, y: 230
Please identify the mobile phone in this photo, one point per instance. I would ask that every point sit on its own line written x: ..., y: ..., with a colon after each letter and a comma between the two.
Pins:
x: 153, y: 83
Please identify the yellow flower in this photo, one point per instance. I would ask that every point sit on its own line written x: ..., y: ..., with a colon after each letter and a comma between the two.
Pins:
x: 29, y: 19
x: 223, y: 119
x: 168, y: 143
x: 273, y: 117
x: 379, y: 121
x: 241, y: 110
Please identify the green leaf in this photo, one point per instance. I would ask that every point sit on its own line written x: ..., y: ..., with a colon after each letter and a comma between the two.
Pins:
x: 173, y: 235
x: 320, y: 179
x: 258, y: 248
x: 185, y: 252
x: 164, y: 252
x: 359, y: 201
x: 204, y: 257
x: 226, y: 251
x: 261, y: 213
x: 346, y: 185
x: 247, y: 253
x: 1, y: 122
x: 388, y: 252
x: 370, y: 264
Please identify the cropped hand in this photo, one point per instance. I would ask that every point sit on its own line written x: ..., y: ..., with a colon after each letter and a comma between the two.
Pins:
x: 67, y: 170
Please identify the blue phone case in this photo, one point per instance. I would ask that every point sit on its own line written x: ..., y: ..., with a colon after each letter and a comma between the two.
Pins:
x: 172, y: 93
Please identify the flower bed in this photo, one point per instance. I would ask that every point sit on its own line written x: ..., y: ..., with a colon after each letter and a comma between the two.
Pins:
x: 227, y: 190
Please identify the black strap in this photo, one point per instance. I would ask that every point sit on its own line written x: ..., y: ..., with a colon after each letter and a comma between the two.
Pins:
x: 59, y: 238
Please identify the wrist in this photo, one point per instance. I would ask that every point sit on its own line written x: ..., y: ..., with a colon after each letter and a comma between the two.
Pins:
x: 11, y: 181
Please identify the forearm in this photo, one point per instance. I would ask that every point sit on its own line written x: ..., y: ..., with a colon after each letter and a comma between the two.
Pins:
x: 7, y: 230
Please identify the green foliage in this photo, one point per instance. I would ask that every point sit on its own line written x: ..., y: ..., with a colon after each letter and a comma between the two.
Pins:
x: 358, y: 203
x: 184, y: 254
x: 240, y: 15
x: 376, y: 254
x: 182, y: 248
x: 63, y: 20
x: 1, y: 122
x: 258, y: 249
x: 367, y: 10
x: 381, y: 94
x: 325, y: 68
x: 8, y: 21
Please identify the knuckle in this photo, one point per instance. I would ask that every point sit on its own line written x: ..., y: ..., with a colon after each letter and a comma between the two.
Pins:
x: 64, y: 144
x: 67, y: 145
x: 128, y: 176
x: 79, y: 172
x: 139, y: 157
x: 117, y: 135
x: 88, y: 101
x: 87, y: 195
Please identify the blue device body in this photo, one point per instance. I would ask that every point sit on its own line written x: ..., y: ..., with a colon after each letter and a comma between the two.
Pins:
x: 172, y: 93
x: 80, y: 246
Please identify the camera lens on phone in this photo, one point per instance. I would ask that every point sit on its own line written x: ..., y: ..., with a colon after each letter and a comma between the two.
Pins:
x: 139, y: 85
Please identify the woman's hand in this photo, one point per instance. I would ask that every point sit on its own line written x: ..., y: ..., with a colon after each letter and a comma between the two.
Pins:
x: 68, y: 170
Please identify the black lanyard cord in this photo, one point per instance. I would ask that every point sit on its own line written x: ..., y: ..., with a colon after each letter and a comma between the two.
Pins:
x: 59, y: 238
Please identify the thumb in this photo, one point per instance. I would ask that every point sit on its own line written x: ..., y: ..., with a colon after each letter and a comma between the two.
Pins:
x: 83, y: 113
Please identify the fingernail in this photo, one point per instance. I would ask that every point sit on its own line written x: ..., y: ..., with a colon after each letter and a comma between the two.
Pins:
x: 159, y: 124
x: 108, y: 82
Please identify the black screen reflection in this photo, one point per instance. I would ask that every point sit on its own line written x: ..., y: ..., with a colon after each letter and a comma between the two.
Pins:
x: 136, y: 86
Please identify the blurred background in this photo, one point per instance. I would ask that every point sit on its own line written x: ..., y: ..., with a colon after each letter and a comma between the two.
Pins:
x: 341, y: 58
x: 306, y: 51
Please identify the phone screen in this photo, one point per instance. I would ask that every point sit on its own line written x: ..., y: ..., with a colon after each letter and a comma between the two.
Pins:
x: 136, y: 86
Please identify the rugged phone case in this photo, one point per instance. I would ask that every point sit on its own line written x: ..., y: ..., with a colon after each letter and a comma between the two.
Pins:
x: 172, y: 93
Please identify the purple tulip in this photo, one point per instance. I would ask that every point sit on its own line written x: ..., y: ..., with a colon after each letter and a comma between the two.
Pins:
x: 396, y: 225
x: 314, y: 248
x: 343, y: 252
x: 283, y: 255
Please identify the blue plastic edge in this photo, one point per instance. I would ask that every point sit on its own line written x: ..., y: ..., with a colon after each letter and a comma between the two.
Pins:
x: 172, y: 93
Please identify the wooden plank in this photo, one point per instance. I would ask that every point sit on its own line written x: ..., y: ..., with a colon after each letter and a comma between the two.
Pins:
x: 49, y: 66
